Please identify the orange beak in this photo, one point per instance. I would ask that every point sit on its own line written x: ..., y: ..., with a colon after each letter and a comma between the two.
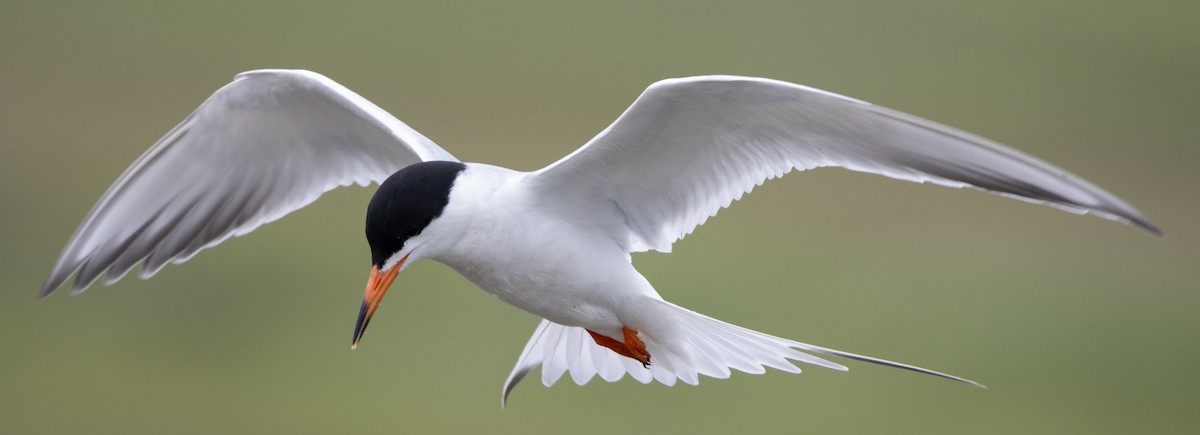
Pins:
x: 377, y: 286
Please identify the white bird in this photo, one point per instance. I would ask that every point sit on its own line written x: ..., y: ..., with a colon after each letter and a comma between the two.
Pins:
x: 555, y: 242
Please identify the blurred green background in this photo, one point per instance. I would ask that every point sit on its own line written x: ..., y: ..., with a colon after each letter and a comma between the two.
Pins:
x: 1078, y: 325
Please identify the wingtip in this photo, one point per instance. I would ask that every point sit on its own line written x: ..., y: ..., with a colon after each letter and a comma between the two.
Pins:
x: 1136, y: 220
x: 504, y: 395
x: 1151, y: 228
x: 50, y: 286
x: 1120, y: 211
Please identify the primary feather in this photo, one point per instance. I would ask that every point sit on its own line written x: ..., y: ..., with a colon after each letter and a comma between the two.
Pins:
x: 267, y: 144
x: 688, y: 147
x: 554, y: 242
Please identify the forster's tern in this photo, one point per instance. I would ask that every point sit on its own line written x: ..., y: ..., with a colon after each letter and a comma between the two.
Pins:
x: 555, y: 242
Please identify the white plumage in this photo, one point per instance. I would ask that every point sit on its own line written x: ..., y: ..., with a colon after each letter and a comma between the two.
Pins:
x: 706, y: 347
x: 554, y: 242
x: 267, y: 144
x: 688, y: 147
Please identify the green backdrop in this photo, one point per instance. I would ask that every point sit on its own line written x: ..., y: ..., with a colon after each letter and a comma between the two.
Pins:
x: 1078, y: 325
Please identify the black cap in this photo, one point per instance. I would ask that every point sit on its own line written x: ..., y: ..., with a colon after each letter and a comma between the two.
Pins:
x: 406, y: 203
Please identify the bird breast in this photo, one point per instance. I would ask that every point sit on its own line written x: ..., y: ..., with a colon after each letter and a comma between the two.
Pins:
x: 497, y: 237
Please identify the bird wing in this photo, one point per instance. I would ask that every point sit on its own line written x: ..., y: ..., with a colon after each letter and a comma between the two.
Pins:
x: 266, y: 144
x: 688, y: 147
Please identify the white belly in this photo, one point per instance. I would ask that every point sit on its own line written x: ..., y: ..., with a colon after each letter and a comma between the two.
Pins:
x: 563, y: 271
x: 556, y: 284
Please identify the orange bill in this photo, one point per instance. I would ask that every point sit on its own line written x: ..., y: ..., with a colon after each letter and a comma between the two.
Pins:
x: 377, y: 286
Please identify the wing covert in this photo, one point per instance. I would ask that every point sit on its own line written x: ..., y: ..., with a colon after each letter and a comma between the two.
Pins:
x: 688, y: 147
x: 266, y: 144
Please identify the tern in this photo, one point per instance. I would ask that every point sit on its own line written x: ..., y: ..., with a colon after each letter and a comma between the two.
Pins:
x: 555, y: 242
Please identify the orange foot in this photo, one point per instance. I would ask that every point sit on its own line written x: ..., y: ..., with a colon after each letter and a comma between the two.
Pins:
x: 631, y: 348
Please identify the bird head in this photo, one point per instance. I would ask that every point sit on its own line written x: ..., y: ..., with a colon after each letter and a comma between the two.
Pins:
x: 401, y: 209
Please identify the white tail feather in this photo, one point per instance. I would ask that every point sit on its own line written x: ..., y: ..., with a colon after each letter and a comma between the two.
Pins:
x: 699, y: 345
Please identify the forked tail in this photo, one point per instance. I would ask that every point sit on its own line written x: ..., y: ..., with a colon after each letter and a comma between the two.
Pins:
x: 698, y: 345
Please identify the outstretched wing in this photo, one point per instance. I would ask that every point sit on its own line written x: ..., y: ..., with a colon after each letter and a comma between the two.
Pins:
x: 266, y: 144
x: 689, y: 147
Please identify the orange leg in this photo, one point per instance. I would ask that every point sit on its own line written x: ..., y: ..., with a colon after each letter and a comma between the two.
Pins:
x: 631, y: 348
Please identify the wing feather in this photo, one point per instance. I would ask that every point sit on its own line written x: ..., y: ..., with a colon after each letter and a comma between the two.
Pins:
x: 689, y: 147
x: 268, y: 143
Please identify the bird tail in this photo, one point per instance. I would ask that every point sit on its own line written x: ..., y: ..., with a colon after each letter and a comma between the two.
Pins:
x: 698, y: 345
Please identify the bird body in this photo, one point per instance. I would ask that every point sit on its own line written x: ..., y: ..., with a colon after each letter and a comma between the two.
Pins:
x: 556, y: 242
x: 560, y: 265
x: 532, y: 258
